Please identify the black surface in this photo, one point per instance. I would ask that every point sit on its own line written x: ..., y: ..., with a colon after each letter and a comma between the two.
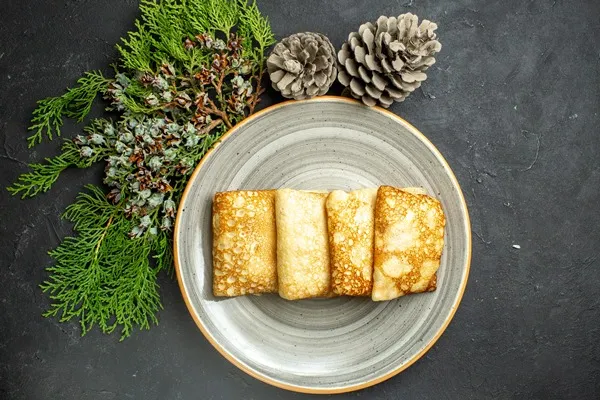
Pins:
x: 512, y: 103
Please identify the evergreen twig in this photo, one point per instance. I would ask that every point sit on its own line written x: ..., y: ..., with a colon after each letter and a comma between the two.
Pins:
x: 183, y: 78
x: 75, y: 104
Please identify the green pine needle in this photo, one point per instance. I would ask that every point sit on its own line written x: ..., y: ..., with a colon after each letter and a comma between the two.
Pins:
x: 102, y: 277
x: 257, y: 26
x: 75, y: 103
x: 223, y: 15
x: 135, y: 50
x: 43, y: 176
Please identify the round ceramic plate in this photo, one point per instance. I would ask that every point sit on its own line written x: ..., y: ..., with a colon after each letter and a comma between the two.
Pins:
x: 321, y: 345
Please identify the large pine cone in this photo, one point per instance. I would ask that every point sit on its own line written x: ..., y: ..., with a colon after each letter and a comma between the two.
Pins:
x: 302, y: 65
x: 385, y: 63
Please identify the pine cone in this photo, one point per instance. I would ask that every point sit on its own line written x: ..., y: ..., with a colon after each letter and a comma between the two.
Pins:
x: 302, y: 65
x: 385, y: 63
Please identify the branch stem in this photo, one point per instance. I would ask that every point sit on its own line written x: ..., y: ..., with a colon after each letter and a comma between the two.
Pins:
x: 108, y: 224
x: 222, y: 114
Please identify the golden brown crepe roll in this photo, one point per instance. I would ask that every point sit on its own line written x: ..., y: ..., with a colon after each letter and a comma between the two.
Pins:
x: 244, y: 243
x: 350, y: 222
x: 409, y: 237
x: 302, y: 249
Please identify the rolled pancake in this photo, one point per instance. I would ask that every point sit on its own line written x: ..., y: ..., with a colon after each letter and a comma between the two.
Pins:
x: 409, y: 237
x: 302, y: 250
x: 350, y: 223
x: 244, y: 243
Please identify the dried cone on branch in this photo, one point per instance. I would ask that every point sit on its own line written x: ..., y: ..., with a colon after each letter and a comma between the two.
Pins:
x: 302, y: 65
x: 385, y: 62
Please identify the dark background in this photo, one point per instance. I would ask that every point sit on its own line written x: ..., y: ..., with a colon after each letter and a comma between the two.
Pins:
x: 513, y: 105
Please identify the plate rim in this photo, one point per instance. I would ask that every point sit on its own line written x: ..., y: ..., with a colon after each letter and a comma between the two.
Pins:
x: 306, y: 389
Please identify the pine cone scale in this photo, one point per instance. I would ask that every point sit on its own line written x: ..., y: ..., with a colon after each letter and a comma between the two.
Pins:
x: 374, y: 93
x: 360, y: 53
x: 274, y: 63
x: 368, y: 101
x: 378, y: 81
x: 352, y: 67
x: 292, y: 66
x: 277, y: 75
x: 357, y: 88
x: 343, y: 54
x: 369, y: 40
x: 344, y: 78
x: 364, y: 75
x: 393, y: 92
x: 320, y: 78
x: 285, y: 81
x: 312, y: 49
x: 321, y: 63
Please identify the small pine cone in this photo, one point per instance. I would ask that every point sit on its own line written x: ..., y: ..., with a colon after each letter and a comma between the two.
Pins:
x: 385, y: 62
x: 302, y: 65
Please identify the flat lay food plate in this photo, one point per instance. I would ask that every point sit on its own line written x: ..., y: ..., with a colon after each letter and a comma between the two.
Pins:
x: 320, y: 345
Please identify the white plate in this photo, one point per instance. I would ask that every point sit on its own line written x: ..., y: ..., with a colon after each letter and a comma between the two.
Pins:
x: 331, y: 345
